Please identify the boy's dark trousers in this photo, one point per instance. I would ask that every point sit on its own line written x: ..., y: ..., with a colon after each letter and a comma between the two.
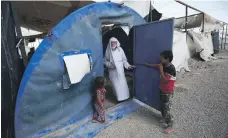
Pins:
x: 165, y: 101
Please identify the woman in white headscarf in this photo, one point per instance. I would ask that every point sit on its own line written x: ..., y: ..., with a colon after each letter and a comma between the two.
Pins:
x: 115, y: 60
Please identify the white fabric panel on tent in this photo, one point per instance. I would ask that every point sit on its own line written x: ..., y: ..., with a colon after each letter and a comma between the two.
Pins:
x: 202, y: 42
x: 195, y: 21
x: 210, y: 24
x: 126, y: 29
x: 141, y: 7
x: 77, y: 67
x: 180, y: 51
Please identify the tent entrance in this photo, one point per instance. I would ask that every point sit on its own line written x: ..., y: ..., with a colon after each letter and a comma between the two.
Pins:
x: 119, y: 31
x: 148, y: 41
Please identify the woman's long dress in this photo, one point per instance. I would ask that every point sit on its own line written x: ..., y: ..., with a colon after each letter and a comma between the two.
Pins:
x: 117, y: 75
x: 99, y: 113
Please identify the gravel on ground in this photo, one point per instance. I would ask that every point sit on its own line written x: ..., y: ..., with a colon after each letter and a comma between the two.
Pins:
x: 199, y: 106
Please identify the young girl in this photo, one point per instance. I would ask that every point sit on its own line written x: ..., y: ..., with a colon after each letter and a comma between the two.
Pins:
x: 99, y: 113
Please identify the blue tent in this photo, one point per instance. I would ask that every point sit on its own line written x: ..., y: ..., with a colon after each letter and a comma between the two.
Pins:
x: 43, y: 106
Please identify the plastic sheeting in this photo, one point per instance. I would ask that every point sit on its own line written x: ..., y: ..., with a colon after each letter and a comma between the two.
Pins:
x: 180, y: 51
x: 195, y: 21
x: 201, y: 43
x: 77, y: 67
x: 42, y: 105
x: 86, y: 129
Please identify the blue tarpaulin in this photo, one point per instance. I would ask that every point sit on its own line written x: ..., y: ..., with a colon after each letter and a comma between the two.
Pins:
x: 43, y: 106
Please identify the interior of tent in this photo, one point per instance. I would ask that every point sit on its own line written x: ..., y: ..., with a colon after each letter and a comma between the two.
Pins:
x: 121, y: 32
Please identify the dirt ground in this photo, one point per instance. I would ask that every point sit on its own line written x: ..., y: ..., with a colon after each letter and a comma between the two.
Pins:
x: 200, y: 106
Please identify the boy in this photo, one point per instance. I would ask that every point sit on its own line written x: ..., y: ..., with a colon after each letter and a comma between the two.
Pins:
x: 167, y: 81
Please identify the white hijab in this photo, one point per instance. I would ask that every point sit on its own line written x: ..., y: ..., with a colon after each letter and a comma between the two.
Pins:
x: 109, y: 49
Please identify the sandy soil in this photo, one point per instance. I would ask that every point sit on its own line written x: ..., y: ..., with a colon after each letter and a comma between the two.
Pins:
x: 200, y: 106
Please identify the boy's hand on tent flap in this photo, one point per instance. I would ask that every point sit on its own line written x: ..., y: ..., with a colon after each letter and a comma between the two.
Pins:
x: 146, y: 64
x: 152, y: 65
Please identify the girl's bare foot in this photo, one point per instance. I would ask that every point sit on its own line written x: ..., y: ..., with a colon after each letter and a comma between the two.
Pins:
x: 106, y: 122
x: 94, y: 121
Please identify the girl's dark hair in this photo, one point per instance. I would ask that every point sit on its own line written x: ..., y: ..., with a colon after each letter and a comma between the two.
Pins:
x: 167, y: 54
x: 99, y: 82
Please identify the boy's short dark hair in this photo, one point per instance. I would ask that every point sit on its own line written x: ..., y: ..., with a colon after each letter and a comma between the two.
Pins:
x: 167, y: 54
x: 99, y: 82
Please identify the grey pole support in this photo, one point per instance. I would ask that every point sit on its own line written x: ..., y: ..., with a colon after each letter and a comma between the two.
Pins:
x: 225, y: 37
x: 186, y: 20
x: 222, y: 35
x: 203, y: 23
x: 19, y: 34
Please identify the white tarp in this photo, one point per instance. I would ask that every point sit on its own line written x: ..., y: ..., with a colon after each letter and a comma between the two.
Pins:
x: 180, y: 51
x: 194, y: 21
x: 77, y: 67
x: 201, y: 43
x: 141, y: 7
x: 210, y: 24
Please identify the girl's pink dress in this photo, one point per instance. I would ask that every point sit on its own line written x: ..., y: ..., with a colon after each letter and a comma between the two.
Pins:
x: 99, y: 113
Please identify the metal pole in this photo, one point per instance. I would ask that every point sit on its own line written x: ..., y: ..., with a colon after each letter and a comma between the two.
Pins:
x: 186, y: 20
x: 151, y: 20
x: 203, y: 24
x: 222, y: 35
x: 225, y: 37
x: 19, y: 34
